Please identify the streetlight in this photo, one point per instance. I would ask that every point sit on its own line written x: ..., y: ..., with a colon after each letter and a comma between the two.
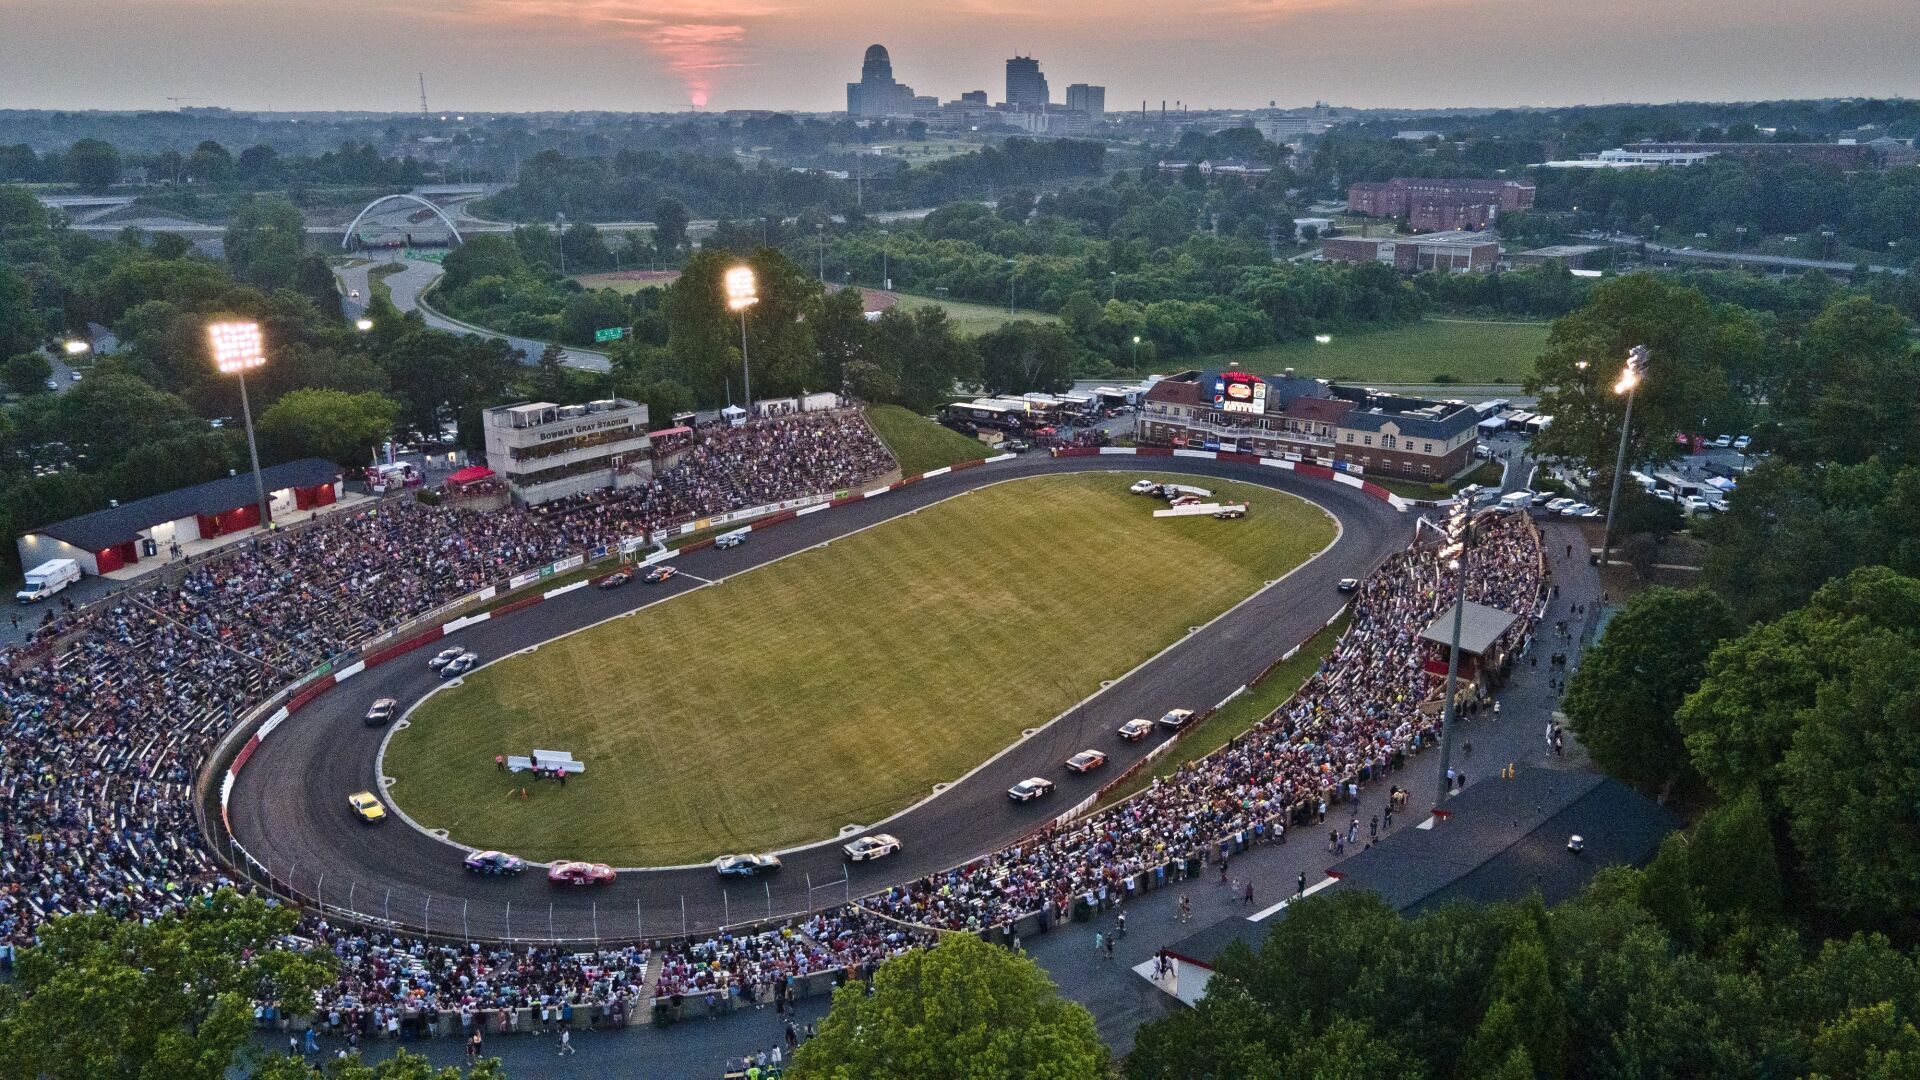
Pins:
x: 821, y: 231
x: 1113, y: 276
x: 740, y: 297
x: 1630, y: 377
x: 363, y: 324
x: 238, y: 347
x: 1459, y: 529
x: 560, y: 240
x: 76, y: 347
x: 1010, y: 269
x: 1136, y: 356
x: 886, y: 282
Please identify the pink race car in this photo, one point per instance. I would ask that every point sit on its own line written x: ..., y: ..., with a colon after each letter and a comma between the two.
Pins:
x: 580, y: 873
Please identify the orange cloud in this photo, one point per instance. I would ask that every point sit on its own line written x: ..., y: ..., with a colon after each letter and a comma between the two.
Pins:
x: 694, y: 38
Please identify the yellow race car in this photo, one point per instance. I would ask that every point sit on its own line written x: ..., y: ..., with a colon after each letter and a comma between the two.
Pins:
x: 370, y: 809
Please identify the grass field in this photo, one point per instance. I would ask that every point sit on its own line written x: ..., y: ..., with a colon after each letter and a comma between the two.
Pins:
x: 920, y: 444
x: 628, y: 281
x: 970, y: 318
x: 837, y: 686
x: 1432, y: 350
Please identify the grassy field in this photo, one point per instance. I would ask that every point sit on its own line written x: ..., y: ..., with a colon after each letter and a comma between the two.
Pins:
x: 377, y: 279
x: 920, y: 444
x: 1432, y: 350
x: 837, y: 686
x: 1487, y: 474
x: 628, y: 281
x: 970, y: 318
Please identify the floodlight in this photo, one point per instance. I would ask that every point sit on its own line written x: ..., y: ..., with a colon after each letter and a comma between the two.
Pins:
x: 237, y: 346
x: 740, y: 288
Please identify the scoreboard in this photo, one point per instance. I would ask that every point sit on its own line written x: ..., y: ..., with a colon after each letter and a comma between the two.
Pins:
x: 1239, y: 392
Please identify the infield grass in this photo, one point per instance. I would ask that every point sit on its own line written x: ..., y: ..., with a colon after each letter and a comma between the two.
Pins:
x: 839, y: 685
x: 918, y: 443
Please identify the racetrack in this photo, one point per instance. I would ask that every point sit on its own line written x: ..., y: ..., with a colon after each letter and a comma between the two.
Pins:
x: 288, y: 804
x: 840, y: 684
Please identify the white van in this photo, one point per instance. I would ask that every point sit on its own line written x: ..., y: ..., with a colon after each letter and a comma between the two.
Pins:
x: 48, y: 578
x: 1516, y: 500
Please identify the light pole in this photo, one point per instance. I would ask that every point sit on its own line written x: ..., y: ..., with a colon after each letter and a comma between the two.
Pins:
x: 821, y: 232
x: 1629, y: 379
x: 1136, y: 356
x: 886, y: 281
x: 237, y: 347
x: 560, y: 240
x: 1010, y: 268
x: 1113, y: 279
x: 740, y: 297
x: 1459, y: 539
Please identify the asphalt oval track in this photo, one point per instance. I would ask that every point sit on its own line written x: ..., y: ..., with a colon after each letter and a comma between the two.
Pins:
x: 289, y: 805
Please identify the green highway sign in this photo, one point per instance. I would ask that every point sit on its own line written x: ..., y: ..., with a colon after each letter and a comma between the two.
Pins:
x: 611, y: 333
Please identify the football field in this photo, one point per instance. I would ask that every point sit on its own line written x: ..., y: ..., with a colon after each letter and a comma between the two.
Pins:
x: 841, y: 684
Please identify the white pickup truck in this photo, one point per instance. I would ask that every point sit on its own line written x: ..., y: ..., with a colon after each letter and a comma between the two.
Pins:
x: 48, y: 578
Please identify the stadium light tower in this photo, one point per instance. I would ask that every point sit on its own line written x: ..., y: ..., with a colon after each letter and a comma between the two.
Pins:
x: 1630, y: 378
x: 238, y: 348
x: 740, y: 297
x: 1459, y: 530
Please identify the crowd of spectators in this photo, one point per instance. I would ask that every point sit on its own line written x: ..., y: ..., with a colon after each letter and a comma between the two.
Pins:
x: 102, y: 738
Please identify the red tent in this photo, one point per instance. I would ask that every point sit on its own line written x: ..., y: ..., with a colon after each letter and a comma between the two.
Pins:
x: 470, y: 474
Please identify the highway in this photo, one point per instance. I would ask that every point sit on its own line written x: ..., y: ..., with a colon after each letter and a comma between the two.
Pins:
x: 407, y: 287
x: 289, y: 803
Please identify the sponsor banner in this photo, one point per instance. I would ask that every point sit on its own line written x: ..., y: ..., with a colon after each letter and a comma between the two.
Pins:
x: 1127, y: 450
x: 1207, y: 454
x: 349, y: 671
x: 1278, y: 463
x: 521, y: 580
x: 631, y: 544
x: 571, y: 562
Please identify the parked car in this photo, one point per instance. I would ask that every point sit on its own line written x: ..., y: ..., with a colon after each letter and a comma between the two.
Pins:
x: 1554, y: 506
x: 1135, y: 730
x: 659, y: 574
x: 1029, y: 789
x: 1016, y: 446
x: 1723, y: 441
x: 368, y: 808
x: 1578, y: 509
x: 1145, y: 487
x: 730, y: 540
x: 444, y: 657
x: 380, y: 713
x: 868, y: 848
x: 1542, y: 498
x: 580, y: 873
x: 493, y: 862
x: 1739, y: 444
x: 1086, y: 761
x: 615, y: 580
x: 746, y: 865
x: 1176, y: 718
x: 460, y: 665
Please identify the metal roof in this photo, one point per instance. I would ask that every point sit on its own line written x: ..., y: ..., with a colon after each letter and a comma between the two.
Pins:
x: 1480, y: 627
x: 103, y: 529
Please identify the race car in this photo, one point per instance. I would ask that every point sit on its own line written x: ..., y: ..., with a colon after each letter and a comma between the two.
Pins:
x: 443, y: 658
x: 1029, y: 789
x: 460, y: 665
x: 1176, y: 718
x: 493, y: 862
x: 746, y: 865
x: 580, y: 873
x: 1348, y: 584
x: 1135, y: 730
x: 871, y: 847
x: 1228, y: 513
x: 614, y: 580
x: 730, y: 540
x: 380, y: 713
x: 1086, y: 761
x: 659, y: 574
x: 369, y: 809
x: 1145, y: 487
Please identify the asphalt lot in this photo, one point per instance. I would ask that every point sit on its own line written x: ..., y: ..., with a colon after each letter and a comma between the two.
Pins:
x: 289, y: 805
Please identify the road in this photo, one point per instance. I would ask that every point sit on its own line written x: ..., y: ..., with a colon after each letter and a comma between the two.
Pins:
x: 1741, y: 258
x: 407, y: 287
x: 289, y: 806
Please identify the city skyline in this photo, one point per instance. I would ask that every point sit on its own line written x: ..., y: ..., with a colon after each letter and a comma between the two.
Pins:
x: 663, y: 55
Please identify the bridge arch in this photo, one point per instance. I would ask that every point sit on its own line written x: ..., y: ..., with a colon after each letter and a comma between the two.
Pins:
x: 346, y: 239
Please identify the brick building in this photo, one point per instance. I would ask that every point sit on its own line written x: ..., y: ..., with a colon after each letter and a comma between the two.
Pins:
x: 1441, y: 215
x: 1289, y: 416
x: 1396, y: 198
x: 1452, y: 252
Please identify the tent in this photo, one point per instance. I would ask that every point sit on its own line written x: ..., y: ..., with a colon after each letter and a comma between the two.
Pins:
x: 734, y: 415
x: 470, y: 474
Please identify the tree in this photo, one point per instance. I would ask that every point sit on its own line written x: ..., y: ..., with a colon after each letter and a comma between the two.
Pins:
x: 1024, y: 356
x: 401, y: 1066
x: 963, y: 1008
x: 670, y: 220
x: 20, y: 324
x: 1852, y: 392
x: 266, y: 242
x: 338, y: 426
x: 93, y: 164
x: 28, y: 372
x: 1623, y: 699
x: 98, y: 996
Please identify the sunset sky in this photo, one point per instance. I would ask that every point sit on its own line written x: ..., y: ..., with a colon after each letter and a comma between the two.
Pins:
x: 482, y: 55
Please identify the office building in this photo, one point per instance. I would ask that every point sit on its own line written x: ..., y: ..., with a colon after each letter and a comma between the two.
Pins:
x: 1026, y: 87
x: 1394, y: 198
x: 1091, y: 100
x: 876, y: 94
x: 546, y: 451
x: 974, y: 97
x: 1452, y: 252
x: 1312, y: 420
